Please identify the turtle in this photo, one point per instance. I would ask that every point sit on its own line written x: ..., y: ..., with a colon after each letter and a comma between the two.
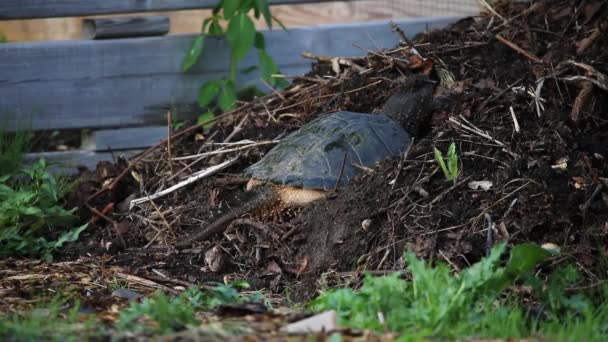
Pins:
x: 328, y: 152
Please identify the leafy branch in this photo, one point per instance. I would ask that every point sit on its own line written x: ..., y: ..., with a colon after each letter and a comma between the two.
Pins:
x: 242, y: 36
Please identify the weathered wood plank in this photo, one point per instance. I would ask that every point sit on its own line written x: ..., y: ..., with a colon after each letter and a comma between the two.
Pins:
x: 29, y: 9
x: 185, y: 22
x: 128, y: 138
x: 132, y: 82
x: 68, y: 161
x: 125, y: 27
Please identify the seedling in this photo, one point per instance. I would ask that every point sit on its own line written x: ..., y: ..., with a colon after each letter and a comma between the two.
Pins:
x: 242, y: 36
x: 450, y: 169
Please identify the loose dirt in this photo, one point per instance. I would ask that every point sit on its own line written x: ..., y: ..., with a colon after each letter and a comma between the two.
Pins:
x: 525, y: 107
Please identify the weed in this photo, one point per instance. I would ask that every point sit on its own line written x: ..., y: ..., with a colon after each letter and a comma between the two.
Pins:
x: 159, y: 313
x: 450, y: 170
x: 242, y: 37
x: 56, y: 320
x: 163, y: 315
x: 30, y: 202
x: 436, y: 303
x: 12, y: 147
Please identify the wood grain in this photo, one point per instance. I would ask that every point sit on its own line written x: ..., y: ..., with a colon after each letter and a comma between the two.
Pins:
x: 290, y: 15
x: 125, y: 27
x: 132, y: 82
x: 68, y: 161
x: 29, y: 9
x: 128, y: 138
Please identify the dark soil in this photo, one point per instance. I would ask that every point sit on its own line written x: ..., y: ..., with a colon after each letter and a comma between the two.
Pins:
x: 549, y: 181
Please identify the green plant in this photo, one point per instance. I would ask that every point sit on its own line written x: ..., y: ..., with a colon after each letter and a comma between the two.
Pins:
x: 57, y: 320
x: 31, y: 211
x: 12, y: 148
x: 436, y: 303
x: 242, y: 36
x: 162, y: 314
x: 450, y: 169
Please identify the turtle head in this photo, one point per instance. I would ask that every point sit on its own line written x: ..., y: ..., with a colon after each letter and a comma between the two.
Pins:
x: 411, y: 105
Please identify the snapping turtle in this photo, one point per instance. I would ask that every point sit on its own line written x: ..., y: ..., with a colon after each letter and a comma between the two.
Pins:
x: 328, y: 152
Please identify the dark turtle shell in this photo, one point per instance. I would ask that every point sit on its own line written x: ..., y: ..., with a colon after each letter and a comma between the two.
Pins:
x: 312, y: 156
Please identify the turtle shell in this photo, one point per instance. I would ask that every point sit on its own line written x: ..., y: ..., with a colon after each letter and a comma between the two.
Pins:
x: 312, y: 156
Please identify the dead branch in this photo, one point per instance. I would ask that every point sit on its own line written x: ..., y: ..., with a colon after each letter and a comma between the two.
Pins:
x: 516, y: 47
x: 205, y: 173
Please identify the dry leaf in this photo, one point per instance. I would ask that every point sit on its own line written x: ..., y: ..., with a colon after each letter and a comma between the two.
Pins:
x: 483, y: 185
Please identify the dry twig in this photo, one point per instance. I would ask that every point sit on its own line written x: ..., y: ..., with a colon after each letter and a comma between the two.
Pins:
x: 205, y: 173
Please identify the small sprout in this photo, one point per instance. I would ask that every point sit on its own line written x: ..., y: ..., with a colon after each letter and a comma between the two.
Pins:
x: 450, y: 170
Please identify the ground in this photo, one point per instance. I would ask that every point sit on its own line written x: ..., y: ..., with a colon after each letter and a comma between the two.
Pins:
x: 525, y: 107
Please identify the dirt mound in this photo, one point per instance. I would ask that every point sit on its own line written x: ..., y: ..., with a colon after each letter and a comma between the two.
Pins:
x: 523, y: 98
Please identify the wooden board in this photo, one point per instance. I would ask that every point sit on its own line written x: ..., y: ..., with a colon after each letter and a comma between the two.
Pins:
x: 126, y: 27
x: 183, y: 22
x: 132, y: 82
x: 28, y: 9
x: 128, y: 138
x: 69, y: 161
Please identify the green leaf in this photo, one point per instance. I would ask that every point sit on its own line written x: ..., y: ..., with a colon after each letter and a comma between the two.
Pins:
x: 227, y: 98
x: 441, y: 162
x: 452, y: 162
x: 267, y: 66
x: 230, y: 7
x: 260, y: 41
x: 262, y: 6
x: 70, y: 236
x: 207, y: 93
x: 241, y: 35
x: 205, y: 23
x: 281, y: 83
x: 194, y: 54
x: 524, y: 258
x: 249, y: 70
x: 205, y: 118
x: 216, y: 29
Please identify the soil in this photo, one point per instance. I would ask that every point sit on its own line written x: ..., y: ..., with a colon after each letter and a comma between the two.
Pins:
x: 541, y: 147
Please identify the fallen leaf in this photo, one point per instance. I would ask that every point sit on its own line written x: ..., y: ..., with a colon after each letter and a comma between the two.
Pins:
x: 128, y: 294
x: 483, y: 185
x: 214, y: 258
x: 272, y: 268
x: 580, y: 183
x: 561, y: 164
x: 419, y: 63
x: 325, y: 321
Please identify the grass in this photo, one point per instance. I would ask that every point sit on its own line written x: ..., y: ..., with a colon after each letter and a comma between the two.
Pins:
x: 57, y: 320
x: 161, y: 314
x: 157, y: 314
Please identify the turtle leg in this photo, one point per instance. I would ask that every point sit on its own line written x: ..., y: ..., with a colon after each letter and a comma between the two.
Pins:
x: 264, y: 196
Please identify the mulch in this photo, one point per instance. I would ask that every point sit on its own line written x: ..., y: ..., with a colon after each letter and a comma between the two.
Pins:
x: 522, y: 95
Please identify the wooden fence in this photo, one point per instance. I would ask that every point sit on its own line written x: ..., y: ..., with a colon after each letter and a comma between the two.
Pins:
x: 122, y: 88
